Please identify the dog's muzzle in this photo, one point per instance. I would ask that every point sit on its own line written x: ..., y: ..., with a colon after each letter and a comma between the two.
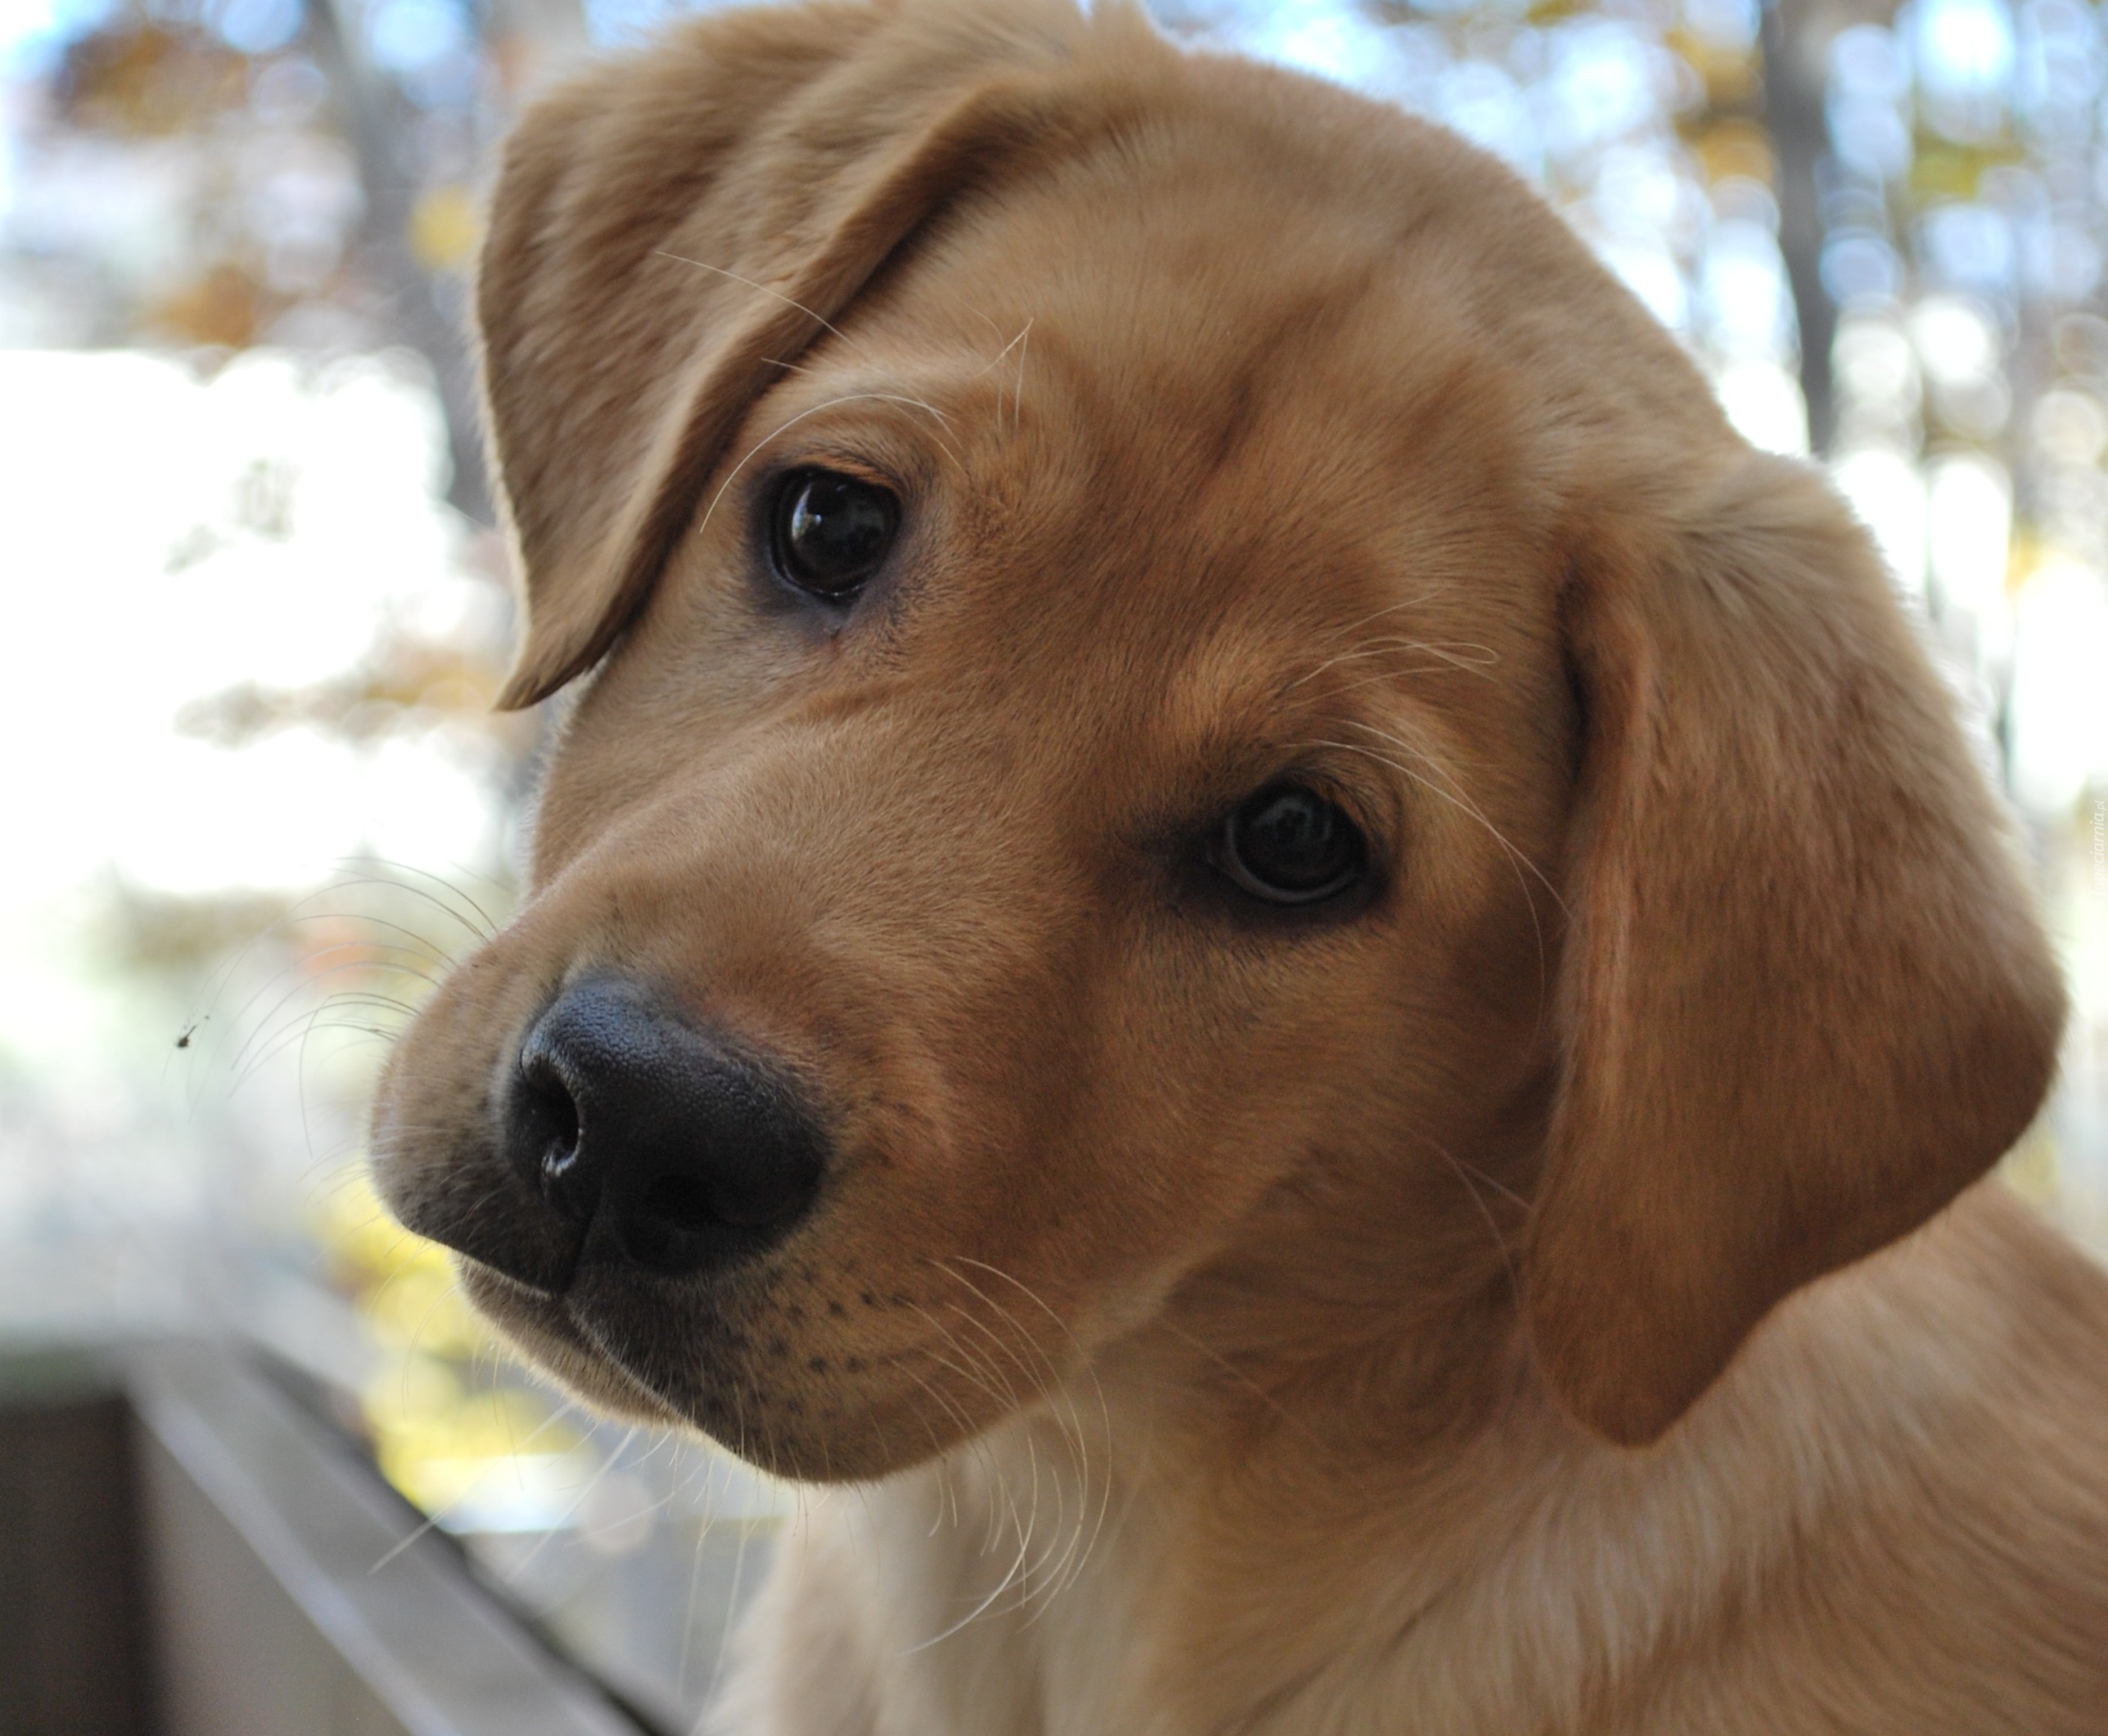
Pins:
x: 651, y: 1143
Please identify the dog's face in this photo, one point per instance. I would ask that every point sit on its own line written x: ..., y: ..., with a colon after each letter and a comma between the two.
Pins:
x: 1142, y: 732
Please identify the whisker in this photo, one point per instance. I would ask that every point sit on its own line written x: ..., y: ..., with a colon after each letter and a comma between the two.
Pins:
x: 308, y: 979
x: 433, y: 1520
x: 1409, y: 602
x: 1485, y: 1212
x: 422, y: 942
x: 1104, y: 1407
x: 489, y: 923
x: 818, y: 320
x: 267, y: 1044
x: 1443, y: 651
x: 1517, y: 860
x: 1045, y: 1386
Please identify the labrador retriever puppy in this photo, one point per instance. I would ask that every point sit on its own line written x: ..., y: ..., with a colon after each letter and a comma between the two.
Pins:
x: 1240, y: 922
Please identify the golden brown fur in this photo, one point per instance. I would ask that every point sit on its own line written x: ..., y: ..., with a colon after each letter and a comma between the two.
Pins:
x: 1238, y: 1321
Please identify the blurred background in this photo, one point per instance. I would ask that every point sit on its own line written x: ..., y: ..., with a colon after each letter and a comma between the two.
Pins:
x: 254, y: 610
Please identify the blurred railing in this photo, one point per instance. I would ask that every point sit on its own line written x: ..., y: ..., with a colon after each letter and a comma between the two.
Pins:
x: 190, y: 1555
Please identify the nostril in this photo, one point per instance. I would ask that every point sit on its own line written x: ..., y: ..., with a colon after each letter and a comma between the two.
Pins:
x: 556, y: 1132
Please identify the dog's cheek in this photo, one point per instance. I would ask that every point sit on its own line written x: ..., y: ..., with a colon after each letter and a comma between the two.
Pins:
x: 421, y: 1130
x: 431, y: 1132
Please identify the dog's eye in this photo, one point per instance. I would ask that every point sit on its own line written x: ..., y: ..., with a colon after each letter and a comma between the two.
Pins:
x: 1289, y: 845
x: 832, y: 532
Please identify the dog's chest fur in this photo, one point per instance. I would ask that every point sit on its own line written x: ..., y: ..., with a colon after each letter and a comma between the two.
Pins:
x: 994, y: 1590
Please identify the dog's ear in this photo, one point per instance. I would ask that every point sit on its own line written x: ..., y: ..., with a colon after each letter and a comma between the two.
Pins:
x: 669, y: 231
x: 1804, y: 997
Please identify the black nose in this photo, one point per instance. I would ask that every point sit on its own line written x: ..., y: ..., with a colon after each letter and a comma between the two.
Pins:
x: 667, y: 1147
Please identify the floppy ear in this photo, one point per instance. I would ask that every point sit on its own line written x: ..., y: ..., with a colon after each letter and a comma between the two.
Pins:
x: 1804, y: 998
x: 672, y: 229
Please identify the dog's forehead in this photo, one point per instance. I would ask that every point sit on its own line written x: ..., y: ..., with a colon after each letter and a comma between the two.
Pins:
x: 1201, y: 307
x: 1161, y: 382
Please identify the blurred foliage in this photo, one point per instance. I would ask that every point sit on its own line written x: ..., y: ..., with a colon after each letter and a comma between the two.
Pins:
x: 201, y: 194
x: 296, y: 173
x: 169, y: 934
x: 408, y: 682
x: 138, y: 79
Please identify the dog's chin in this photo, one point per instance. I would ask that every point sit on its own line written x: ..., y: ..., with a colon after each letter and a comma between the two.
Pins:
x: 596, y: 1344
x: 542, y: 1330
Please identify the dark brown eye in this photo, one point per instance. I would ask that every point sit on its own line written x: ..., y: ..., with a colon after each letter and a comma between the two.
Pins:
x: 1288, y: 846
x: 832, y: 532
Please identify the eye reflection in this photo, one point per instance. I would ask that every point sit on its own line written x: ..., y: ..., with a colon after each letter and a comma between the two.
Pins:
x: 1288, y: 845
x: 831, y: 532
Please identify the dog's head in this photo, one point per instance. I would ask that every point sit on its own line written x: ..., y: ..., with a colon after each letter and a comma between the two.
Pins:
x: 1177, y: 676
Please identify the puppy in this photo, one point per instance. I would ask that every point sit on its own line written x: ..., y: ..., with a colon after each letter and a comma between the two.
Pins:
x: 1239, y: 917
